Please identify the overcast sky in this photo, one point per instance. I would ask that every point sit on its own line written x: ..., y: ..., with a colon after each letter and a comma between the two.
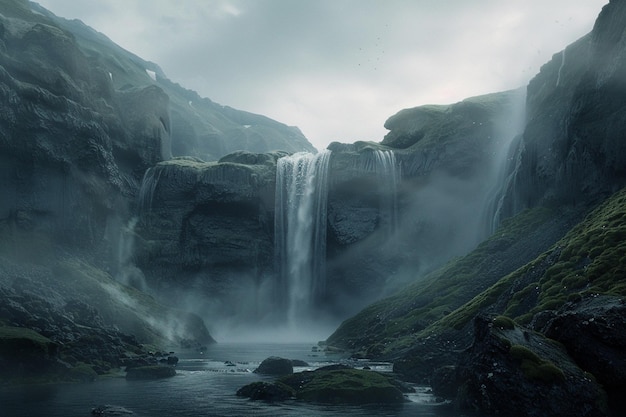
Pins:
x: 338, y: 69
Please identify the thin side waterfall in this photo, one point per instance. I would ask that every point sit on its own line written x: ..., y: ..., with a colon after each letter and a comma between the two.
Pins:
x: 389, y: 170
x: 146, y: 191
x: 506, y: 161
x: 383, y: 163
x: 300, y: 232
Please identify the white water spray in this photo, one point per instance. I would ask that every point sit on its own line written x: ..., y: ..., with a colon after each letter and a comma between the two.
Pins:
x: 300, y: 233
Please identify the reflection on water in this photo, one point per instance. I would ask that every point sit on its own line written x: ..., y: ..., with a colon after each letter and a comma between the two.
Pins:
x: 205, y: 385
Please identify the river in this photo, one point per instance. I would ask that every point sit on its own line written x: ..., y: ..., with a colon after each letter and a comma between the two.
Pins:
x: 205, y: 385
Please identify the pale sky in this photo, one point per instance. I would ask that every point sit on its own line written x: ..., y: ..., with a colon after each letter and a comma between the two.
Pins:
x: 338, y: 69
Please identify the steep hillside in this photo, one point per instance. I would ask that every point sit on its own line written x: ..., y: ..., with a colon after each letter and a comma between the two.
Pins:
x: 198, y: 126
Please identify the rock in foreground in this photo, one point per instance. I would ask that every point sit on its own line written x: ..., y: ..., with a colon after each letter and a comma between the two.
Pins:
x: 515, y: 372
x: 267, y: 391
x: 331, y: 386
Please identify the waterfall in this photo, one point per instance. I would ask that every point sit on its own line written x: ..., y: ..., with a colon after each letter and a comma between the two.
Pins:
x: 389, y: 172
x: 300, y: 232
x: 558, y: 77
x: 146, y: 191
x: 383, y: 164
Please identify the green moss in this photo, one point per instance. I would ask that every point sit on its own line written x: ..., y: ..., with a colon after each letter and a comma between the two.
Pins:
x: 446, y: 298
x: 589, y: 259
x: 535, y: 368
x: 82, y: 372
x: 505, y: 342
x: 504, y: 323
x: 351, y: 386
x: 9, y: 333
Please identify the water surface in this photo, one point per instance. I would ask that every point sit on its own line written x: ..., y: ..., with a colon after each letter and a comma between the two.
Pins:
x: 205, y: 385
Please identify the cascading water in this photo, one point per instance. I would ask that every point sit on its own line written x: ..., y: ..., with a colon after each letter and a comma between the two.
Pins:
x: 300, y: 233
x: 146, y: 191
x: 505, y: 161
x: 389, y: 173
x: 383, y: 164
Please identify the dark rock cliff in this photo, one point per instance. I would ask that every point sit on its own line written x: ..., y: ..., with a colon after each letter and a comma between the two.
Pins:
x: 573, y: 148
x: 81, y: 121
x: 209, y: 226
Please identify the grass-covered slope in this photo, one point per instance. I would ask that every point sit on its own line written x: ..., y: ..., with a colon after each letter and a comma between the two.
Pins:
x: 390, y: 324
x: 589, y: 259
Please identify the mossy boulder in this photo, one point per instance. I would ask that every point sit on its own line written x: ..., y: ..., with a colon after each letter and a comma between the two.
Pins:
x: 344, y: 386
x: 24, y: 352
x: 150, y: 372
x: 267, y: 391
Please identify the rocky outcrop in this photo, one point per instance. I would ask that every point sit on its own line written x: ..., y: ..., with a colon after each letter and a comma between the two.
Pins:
x: 572, y: 149
x: 266, y: 391
x: 209, y: 225
x: 24, y: 352
x: 511, y: 371
x: 275, y: 366
x: 88, y: 339
x: 593, y: 331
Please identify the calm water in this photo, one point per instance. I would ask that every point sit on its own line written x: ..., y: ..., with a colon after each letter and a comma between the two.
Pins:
x: 204, y: 386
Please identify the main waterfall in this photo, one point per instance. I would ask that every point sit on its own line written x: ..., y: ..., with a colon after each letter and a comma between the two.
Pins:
x: 300, y: 233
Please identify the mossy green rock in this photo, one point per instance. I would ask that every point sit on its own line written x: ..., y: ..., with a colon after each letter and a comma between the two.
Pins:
x: 267, y: 391
x: 344, y: 386
x: 24, y: 352
x: 150, y: 372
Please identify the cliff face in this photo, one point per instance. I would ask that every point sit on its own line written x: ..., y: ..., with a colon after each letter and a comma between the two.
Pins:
x: 573, y: 148
x: 72, y: 148
x: 198, y: 126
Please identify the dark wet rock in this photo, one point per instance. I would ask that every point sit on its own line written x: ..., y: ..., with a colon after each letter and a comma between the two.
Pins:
x: 275, y: 366
x: 572, y: 150
x: 298, y: 362
x: 593, y: 330
x: 267, y: 391
x: 150, y: 372
x: 519, y: 373
x: 444, y: 382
